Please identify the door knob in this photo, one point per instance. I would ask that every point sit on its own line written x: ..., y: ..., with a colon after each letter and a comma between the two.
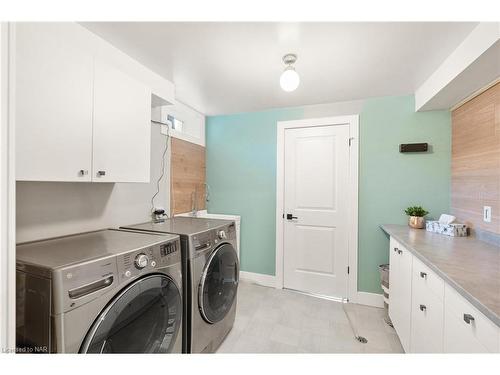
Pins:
x: 423, y: 307
x: 423, y: 275
x: 101, y: 173
x: 290, y: 217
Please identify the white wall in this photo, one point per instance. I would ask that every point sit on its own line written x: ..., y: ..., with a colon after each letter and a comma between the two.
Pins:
x: 7, y: 198
x: 194, y: 121
x: 468, y: 68
x: 48, y: 209
x: 82, y: 39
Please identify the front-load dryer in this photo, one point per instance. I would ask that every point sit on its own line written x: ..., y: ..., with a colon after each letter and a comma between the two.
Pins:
x: 210, y: 276
x: 108, y: 291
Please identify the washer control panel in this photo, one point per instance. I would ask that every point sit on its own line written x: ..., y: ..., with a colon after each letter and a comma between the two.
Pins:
x: 148, y: 259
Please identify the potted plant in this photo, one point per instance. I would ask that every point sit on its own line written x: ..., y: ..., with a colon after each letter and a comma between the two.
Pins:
x: 416, y: 216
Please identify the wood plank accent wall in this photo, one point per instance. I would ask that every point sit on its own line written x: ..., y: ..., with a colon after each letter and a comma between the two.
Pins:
x: 475, y: 176
x: 187, y: 176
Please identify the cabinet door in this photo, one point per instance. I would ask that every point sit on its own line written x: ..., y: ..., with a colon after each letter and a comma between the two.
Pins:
x: 426, y: 321
x: 122, y: 127
x: 466, y: 330
x: 401, y: 300
x: 53, y: 89
x: 394, y: 285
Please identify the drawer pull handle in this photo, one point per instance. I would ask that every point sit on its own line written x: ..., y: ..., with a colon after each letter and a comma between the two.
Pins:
x: 423, y: 275
x: 423, y: 307
x: 468, y: 318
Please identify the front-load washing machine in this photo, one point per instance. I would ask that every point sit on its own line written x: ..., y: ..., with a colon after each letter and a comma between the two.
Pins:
x: 210, y: 276
x: 108, y: 291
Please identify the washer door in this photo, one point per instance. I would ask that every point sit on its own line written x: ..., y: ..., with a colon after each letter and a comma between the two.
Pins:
x: 145, y: 317
x: 219, y: 283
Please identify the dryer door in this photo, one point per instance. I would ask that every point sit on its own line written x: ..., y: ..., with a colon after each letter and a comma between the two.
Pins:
x: 219, y: 283
x: 145, y: 317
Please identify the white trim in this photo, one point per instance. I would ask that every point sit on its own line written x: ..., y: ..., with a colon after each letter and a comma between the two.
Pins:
x: 259, y: 278
x: 7, y: 189
x: 475, y: 93
x: 370, y: 299
x: 353, y: 122
x: 483, y: 37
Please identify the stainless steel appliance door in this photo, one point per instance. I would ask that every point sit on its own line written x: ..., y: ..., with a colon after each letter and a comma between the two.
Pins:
x: 145, y: 317
x: 219, y: 283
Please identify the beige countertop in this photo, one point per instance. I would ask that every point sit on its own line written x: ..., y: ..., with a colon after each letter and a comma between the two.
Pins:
x: 469, y: 265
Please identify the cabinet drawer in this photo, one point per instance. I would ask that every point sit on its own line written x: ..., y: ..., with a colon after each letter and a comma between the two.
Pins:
x: 426, y: 280
x: 427, y: 326
x: 479, y: 335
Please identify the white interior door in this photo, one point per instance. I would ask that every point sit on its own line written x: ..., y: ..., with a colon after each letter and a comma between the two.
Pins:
x: 316, y: 180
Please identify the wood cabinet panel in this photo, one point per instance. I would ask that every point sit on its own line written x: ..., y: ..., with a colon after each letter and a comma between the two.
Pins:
x: 187, y: 176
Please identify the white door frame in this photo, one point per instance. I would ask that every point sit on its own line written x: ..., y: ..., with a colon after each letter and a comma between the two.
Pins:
x: 7, y: 191
x: 353, y: 122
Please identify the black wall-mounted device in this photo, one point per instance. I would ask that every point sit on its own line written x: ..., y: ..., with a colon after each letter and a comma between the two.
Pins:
x: 413, y: 147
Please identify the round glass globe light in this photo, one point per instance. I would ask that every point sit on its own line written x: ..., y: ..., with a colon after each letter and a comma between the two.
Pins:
x: 289, y: 79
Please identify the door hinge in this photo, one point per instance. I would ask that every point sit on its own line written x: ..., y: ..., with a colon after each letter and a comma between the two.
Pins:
x: 348, y: 270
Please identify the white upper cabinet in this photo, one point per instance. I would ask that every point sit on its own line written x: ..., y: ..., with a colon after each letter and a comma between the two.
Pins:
x: 53, y: 88
x: 122, y: 127
x: 83, y: 108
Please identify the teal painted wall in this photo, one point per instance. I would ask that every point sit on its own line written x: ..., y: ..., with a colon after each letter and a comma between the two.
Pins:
x: 390, y: 181
x: 241, y: 172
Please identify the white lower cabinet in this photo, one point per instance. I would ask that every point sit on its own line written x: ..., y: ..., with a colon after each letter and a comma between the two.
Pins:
x: 429, y: 315
x: 400, y: 292
x: 466, y: 330
x: 426, y: 310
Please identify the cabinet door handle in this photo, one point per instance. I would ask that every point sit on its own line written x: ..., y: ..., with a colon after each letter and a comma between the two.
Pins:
x: 396, y: 249
x: 468, y: 318
x: 423, y: 275
x: 101, y: 173
x: 83, y: 172
x: 423, y: 307
x: 400, y: 252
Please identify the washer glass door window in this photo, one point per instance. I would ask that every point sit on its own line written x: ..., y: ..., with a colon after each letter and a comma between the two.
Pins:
x: 144, y: 318
x: 219, y: 283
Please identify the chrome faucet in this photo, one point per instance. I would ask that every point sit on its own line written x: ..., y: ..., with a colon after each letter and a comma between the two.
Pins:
x: 194, y: 209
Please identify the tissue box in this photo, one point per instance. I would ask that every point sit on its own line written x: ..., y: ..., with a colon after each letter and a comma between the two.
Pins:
x: 454, y: 230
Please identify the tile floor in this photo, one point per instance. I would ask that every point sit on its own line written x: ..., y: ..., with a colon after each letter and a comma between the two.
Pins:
x: 279, y: 321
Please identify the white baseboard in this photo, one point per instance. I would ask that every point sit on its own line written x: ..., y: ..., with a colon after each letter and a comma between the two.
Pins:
x: 370, y: 299
x: 259, y: 278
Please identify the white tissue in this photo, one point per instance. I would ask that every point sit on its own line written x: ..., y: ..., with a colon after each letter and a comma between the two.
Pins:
x: 446, y: 219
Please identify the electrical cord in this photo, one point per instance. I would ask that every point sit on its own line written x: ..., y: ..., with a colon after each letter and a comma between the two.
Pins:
x: 162, y: 172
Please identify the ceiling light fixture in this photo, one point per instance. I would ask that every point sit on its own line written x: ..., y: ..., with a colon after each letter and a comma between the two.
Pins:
x: 289, y: 79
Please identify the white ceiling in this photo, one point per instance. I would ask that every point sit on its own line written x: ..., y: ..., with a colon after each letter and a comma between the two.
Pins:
x: 220, y: 68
